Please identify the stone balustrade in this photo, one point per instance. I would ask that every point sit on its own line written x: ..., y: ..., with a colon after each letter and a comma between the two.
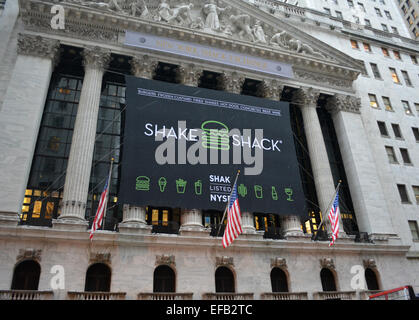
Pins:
x: 227, y: 296
x: 96, y: 295
x: 26, y: 295
x: 335, y: 295
x: 284, y: 296
x: 164, y: 296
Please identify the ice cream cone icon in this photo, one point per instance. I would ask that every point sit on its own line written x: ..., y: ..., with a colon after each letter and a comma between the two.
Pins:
x: 162, y: 184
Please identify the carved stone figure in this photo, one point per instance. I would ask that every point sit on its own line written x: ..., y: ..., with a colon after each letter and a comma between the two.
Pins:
x: 299, y: 47
x: 280, y: 39
x: 241, y: 25
x: 111, y: 5
x: 164, y: 11
x: 259, y: 33
x: 182, y: 14
x: 198, y: 23
x: 138, y: 10
x: 211, y: 10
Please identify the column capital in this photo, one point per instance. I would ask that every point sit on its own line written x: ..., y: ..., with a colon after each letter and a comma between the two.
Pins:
x: 271, y: 89
x: 306, y: 97
x: 38, y: 46
x: 189, y: 74
x: 341, y: 102
x: 96, y: 58
x: 144, y: 66
x: 232, y: 81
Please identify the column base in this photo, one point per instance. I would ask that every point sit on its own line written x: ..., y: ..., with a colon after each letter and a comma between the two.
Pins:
x: 70, y: 224
x: 134, y: 228
x: 9, y: 219
x: 192, y: 230
x: 296, y: 236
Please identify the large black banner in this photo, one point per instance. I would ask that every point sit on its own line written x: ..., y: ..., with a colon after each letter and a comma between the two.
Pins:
x: 184, y: 145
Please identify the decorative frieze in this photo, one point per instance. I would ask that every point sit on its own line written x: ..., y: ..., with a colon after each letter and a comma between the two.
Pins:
x: 224, y: 261
x: 369, y: 263
x: 29, y: 254
x: 316, y: 77
x: 100, y: 258
x: 38, y: 46
x: 166, y: 260
x: 232, y: 82
x: 328, y: 263
x: 345, y: 103
x: 279, y: 263
x: 270, y: 89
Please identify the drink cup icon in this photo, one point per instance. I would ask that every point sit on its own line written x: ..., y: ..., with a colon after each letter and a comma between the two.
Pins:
x: 258, y: 192
x: 180, y: 186
x: 215, y: 135
x: 162, y: 184
x: 289, y: 192
x: 198, y: 187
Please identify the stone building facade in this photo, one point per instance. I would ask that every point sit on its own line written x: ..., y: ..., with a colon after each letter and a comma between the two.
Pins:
x: 55, y: 80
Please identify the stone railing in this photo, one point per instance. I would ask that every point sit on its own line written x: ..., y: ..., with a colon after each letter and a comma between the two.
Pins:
x: 164, y: 296
x: 25, y: 295
x: 284, y: 296
x: 227, y: 296
x: 96, y: 295
x: 335, y: 295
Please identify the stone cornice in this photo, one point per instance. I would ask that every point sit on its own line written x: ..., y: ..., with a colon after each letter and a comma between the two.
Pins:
x: 108, y: 27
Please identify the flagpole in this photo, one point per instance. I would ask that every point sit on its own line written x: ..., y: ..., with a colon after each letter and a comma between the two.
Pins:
x: 109, y: 189
x: 327, y: 209
x: 228, y: 202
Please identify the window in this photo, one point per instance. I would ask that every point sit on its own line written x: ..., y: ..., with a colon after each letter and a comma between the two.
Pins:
x: 378, y: 12
x: 388, y: 15
x: 406, y: 78
x: 417, y: 108
x: 371, y: 279
x: 405, y: 156
x: 385, y: 28
x: 416, y: 133
x: 373, y: 101
x: 98, y: 278
x: 327, y: 10
x: 375, y: 71
x: 26, y: 275
x: 391, y: 154
x: 164, y: 279
x: 383, y: 129
x: 386, y: 53
x: 339, y: 14
x: 403, y: 193
x: 413, y: 225
x: 397, y: 131
x: 367, y: 47
x: 279, y: 280
x: 406, y: 108
x: 387, y: 104
x: 397, y: 55
x: 354, y: 44
x: 224, y: 280
x: 416, y: 193
x: 394, y: 75
x: 367, y: 22
x: 414, y: 59
x: 394, y: 30
x: 328, y: 280
x: 350, y: 3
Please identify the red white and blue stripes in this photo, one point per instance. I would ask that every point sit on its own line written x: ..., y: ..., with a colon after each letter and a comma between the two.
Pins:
x: 234, y: 221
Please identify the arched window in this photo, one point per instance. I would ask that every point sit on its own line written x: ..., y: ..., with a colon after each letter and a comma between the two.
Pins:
x: 371, y: 279
x: 224, y: 280
x: 279, y: 280
x: 26, y: 276
x: 164, y: 279
x: 98, y: 278
x: 328, y: 280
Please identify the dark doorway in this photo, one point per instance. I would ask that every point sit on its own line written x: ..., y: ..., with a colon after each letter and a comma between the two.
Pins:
x: 279, y: 280
x: 328, y: 280
x: 371, y: 279
x: 26, y: 276
x: 164, y: 279
x: 98, y: 278
x: 224, y: 280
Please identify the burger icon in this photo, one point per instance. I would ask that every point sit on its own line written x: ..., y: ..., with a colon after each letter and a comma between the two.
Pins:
x: 215, y: 135
x: 142, y: 183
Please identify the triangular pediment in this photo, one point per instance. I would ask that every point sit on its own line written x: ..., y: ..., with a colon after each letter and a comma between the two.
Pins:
x: 233, y: 19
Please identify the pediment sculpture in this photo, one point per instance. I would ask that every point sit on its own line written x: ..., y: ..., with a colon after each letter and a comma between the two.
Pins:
x: 212, y: 16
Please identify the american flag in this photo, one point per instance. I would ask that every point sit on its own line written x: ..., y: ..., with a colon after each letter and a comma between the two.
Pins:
x: 234, y: 221
x: 334, y: 218
x: 97, y: 222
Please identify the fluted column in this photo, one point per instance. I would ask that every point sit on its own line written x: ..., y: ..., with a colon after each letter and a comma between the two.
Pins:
x: 76, y: 186
x: 133, y: 219
x: 248, y: 223
x: 307, y: 98
x: 20, y: 118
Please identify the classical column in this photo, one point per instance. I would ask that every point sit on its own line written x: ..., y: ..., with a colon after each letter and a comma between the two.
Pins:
x: 232, y: 82
x: 248, y: 223
x: 79, y: 165
x: 189, y: 75
x: 20, y: 118
x: 133, y: 219
x: 372, y: 212
x: 307, y: 98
